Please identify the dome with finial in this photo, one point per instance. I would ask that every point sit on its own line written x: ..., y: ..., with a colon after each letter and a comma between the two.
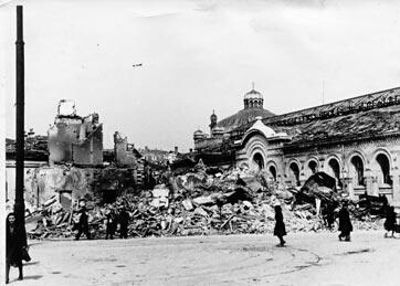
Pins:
x: 253, y: 94
x: 253, y: 107
x: 253, y: 99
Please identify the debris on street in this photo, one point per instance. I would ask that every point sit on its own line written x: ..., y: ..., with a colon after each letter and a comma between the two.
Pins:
x: 200, y: 202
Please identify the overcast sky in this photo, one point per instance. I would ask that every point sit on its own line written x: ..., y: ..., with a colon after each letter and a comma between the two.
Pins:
x: 197, y: 56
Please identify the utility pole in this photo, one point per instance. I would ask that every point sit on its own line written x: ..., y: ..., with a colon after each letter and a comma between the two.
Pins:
x: 19, y: 207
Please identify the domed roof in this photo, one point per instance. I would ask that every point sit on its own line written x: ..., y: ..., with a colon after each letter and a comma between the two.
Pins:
x: 253, y: 94
x: 243, y: 117
x: 198, y: 132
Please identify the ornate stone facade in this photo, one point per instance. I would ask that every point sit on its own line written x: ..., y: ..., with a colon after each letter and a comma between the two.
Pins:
x: 357, y: 141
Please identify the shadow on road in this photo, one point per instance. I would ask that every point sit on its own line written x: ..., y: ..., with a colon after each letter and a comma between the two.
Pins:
x: 33, y: 277
x: 31, y: 263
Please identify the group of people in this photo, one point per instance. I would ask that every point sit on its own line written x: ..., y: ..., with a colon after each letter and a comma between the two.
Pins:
x: 345, y: 226
x: 112, y: 219
x: 16, y: 242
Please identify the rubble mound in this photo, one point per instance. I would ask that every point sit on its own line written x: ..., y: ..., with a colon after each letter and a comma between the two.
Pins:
x: 201, y: 202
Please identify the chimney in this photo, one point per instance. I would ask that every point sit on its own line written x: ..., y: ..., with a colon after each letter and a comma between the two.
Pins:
x: 176, y: 149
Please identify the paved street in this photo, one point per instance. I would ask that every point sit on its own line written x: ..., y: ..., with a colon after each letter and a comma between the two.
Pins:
x: 309, y: 259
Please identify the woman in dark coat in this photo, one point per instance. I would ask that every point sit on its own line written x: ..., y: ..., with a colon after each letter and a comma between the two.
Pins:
x: 279, y: 229
x: 390, y: 222
x: 15, y: 243
x: 345, y: 226
x: 123, y: 222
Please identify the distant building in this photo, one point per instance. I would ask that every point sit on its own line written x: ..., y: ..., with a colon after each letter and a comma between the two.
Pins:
x: 158, y: 156
x: 356, y: 141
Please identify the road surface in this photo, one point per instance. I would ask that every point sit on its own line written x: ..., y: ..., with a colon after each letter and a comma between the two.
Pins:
x: 308, y: 259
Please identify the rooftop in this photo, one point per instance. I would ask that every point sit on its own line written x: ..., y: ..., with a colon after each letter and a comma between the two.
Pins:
x: 371, y: 115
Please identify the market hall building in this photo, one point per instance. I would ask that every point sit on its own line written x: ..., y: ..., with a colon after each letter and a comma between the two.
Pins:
x: 356, y: 141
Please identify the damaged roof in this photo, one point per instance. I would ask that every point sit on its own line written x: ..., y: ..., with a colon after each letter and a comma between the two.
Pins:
x: 371, y: 124
x: 373, y: 115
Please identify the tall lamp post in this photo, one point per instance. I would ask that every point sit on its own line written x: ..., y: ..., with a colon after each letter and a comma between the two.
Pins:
x: 19, y: 207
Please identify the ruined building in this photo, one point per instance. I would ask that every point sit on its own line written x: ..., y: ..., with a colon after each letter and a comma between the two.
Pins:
x: 356, y: 141
x: 125, y: 153
x: 75, y: 139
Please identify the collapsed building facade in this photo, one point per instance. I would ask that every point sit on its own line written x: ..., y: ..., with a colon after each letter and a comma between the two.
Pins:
x: 356, y: 141
x: 69, y: 163
x: 76, y: 139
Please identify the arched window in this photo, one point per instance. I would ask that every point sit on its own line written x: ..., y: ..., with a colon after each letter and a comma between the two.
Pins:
x: 258, y: 160
x: 294, y: 174
x: 334, y: 170
x: 311, y: 168
x: 357, y: 170
x: 384, y: 169
x: 272, y: 171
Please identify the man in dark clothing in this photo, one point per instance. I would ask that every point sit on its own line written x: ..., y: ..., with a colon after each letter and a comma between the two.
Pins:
x: 83, y: 225
x: 111, y: 224
x: 390, y: 222
x: 345, y: 226
x: 123, y: 223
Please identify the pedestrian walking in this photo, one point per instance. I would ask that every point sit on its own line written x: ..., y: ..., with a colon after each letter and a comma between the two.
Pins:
x: 111, y: 223
x: 279, y: 229
x: 83, y: 225
x: 329, y: 215
x: 390, y: 222
x: 345, y: 226
x: 123, y: 220
x: 15, y: 244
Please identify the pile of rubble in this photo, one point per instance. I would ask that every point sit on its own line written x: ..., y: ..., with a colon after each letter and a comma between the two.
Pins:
x: 195, y: 203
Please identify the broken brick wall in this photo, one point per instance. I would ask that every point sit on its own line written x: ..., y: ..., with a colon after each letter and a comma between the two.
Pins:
x: 124, y: 155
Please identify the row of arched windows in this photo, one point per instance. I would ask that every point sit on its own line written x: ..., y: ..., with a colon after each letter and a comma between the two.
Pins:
x: 380, y: 168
